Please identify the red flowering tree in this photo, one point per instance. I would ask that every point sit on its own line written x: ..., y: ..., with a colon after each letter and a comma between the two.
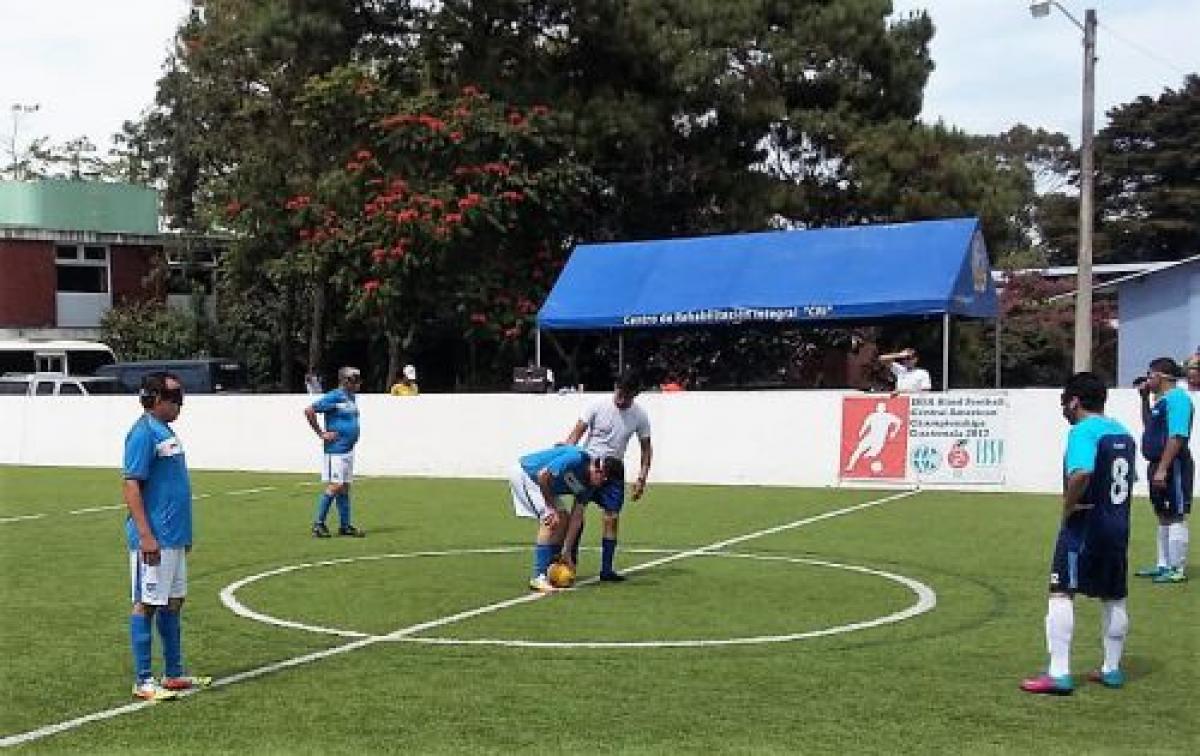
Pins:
x: 447, y: 208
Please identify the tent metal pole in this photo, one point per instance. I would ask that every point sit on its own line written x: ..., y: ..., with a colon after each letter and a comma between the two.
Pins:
x: 945, y: 351
x: 537, y: 347
x: 997, y: 351
x: 620, y: 352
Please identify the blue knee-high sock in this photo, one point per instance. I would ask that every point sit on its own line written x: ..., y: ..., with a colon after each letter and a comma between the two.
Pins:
x: 140, y: 640
x: 343, y: 505
x: 324, y: 501
x: 543, y: 554
x: 608, y: 549
x: 170, y: 632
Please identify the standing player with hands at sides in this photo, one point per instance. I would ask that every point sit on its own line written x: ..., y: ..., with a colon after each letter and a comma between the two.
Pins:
x: 338, y: 437
x: 1168, y: 428
x: 605, y: 428
x: 538, y: 480
x: 1091, y: 553
x: 158, y: 532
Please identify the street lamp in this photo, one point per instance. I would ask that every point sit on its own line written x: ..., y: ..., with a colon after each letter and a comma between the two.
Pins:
x: 1083, y: 281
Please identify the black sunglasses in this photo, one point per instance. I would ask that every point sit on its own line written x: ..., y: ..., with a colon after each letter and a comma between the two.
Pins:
x: 175, y: 396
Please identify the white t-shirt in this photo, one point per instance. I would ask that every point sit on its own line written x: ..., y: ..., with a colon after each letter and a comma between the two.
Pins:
x: 609, y: 428
x: 911, y: 379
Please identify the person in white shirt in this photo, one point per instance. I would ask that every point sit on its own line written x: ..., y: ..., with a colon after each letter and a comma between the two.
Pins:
x: 909, y: 377
x: 604, y: 429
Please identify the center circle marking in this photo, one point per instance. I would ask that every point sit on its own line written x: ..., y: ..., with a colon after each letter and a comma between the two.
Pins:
x: 926, y: 600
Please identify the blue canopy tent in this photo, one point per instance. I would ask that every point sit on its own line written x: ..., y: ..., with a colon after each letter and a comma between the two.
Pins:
x: 820, y: 276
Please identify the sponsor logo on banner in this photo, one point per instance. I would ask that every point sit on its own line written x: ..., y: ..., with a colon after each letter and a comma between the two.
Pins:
x: 926, y: 459
x: 958, y: 437
x: 875, y: 432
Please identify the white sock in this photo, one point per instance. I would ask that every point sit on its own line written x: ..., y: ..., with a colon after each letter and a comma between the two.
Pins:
x: 1164, y: 545
x: 1177, y: 538
x: 1060, y: 626
x: 1114, y: 627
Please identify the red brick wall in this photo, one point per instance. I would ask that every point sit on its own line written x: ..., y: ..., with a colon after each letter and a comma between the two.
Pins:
x: 133, y: 274
x: 27, y: 283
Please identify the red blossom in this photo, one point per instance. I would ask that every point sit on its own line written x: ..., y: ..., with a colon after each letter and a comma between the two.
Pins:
x: 299, y: 202
x: 478, y: 318
x: 461, y: 112
x: 540, y: 110
x: 512, y: 333
x: 363, y: 155
x: 407, y: 216
x: 379, y: 255
x: 234, y: 208
x: 471, y: 90
x: 516, y: 119
x: 452, y: 218
x: 456, y: 136
x: 370, y: 287
x: 513, y: 197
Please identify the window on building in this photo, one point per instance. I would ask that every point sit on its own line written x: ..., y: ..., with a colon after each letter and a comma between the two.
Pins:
x: 82, y: 268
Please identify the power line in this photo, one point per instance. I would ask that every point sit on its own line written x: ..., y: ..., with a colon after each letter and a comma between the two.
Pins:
x: 1145, y: 51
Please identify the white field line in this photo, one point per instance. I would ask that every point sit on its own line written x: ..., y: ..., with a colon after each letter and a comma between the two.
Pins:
x: 111, y: 507
x: 53, y: 729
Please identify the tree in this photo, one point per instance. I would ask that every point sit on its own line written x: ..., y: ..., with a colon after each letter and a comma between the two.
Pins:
x: 1148, y: 184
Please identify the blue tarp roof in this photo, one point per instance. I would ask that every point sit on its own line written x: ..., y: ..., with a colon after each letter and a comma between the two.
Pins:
x: 859, y: 273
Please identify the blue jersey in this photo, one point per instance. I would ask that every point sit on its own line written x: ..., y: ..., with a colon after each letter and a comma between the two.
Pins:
x: 341, y: 417
x: 1170, y: 416
x: 568, y: 466
x: 154, y: 457
x: 1102, y: 447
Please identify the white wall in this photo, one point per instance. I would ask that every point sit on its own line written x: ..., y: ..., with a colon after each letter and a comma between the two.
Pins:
x: 765, y: 437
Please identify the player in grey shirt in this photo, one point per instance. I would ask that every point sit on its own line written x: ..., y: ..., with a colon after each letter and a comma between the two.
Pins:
x: 605, y: 428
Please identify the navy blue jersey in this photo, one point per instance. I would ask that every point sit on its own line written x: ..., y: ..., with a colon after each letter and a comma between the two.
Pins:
x: 1170, y: 416
x: 1102, y: 447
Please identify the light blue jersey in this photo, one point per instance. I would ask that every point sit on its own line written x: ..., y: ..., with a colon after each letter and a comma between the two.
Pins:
x: 154, y: 457
x: 568, y: 466
x: 341, y: 417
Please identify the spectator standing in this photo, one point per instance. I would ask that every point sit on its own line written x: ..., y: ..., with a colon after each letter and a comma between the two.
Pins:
x: 909, y: 377
x: 407, y: 385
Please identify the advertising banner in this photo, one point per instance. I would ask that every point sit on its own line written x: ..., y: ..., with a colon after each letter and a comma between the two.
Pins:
x: 956, y: 438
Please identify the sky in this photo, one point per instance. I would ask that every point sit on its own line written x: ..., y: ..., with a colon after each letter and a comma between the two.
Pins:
x: 90, y: 65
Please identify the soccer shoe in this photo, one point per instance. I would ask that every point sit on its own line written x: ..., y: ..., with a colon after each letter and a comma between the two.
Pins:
x: 149, y: 690
x: 1151, y: 572
x: 186, y: 682
x: 1049, y: 685
x: 611, y: 577
x: 320, y: 530
x: 1174, y: 575
x: 542, y: 584
x: 1114, y: 678
x: 350, y: 530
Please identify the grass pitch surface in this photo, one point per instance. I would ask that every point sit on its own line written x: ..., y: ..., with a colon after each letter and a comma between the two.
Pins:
x: 944, y: 681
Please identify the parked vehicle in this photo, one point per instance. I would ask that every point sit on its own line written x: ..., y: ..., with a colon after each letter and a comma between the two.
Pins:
x: 201, y: 376
x: 57, y: 357
x: 44, y: 384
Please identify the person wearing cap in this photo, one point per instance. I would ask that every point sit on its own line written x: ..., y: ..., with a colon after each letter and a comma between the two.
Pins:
x: 338, y: 437
x: 407, y: 385
x: 1171, y: 471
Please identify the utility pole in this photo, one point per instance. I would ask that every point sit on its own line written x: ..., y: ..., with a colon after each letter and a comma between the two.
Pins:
x: 1083, y: 295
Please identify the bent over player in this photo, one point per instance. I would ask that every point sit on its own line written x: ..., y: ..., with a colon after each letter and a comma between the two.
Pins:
x: 1091, y: 554
x: 538, y: 479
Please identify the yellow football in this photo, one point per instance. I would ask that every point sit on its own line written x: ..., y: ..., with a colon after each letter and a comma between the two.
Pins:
x: 561, y: 575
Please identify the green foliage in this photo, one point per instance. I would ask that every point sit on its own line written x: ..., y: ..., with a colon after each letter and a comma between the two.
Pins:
x: 153, y: 331
x: 1148, y: 184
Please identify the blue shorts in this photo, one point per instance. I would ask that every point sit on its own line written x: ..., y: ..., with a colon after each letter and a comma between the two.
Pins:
x: 1101, y: 574
x: 610, y: 497
x: 1176, y: 498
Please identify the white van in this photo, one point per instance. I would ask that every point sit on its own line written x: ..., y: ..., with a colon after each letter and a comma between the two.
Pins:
x: 54, y: 356
x: 44, y: 384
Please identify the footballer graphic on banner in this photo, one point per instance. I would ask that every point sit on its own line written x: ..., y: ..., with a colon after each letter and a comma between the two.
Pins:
x: 874, y: 437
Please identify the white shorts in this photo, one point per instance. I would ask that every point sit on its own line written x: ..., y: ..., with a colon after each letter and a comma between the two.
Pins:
x: 338, y: 468
x: 153, y: 585
x: 527, y: 496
